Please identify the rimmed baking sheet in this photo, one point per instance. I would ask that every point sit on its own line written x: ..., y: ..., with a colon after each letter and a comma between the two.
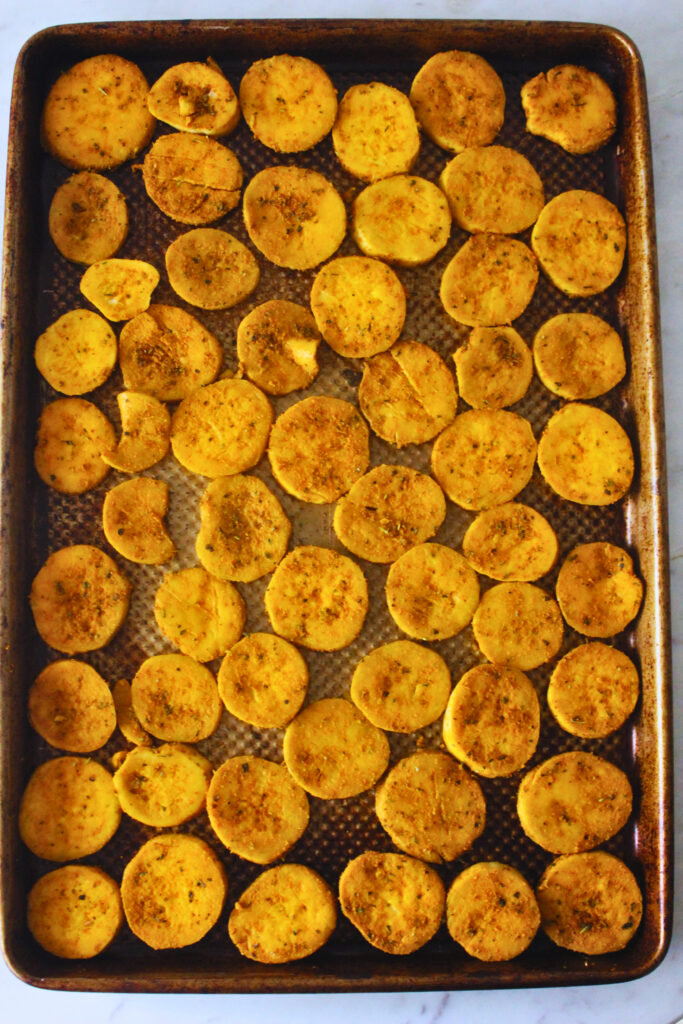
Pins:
x: 39, y: 285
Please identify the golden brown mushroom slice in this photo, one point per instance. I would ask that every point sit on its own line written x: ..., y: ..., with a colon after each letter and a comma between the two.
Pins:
x: 294, y: 216
x: 73, y: 438
x: 191, y: 178
x: 404, y: 219
x: 173, y: 890
x: 77, y: 352
x: 95, y: 116
x: 145, y: 433
x: 317, y: 598
x: 580, y: 242
x: 375, y: 134
x: 120, y: 289
x: 287, y: 913
x: 333, y: 751
x: 167, y: 353
x: 79, y: 599
x: 257, y: 810
x: 490, y: 280
x: 572, y: 106
x: 71, y: 706
x: 573, y: 802
x: 69, y: 809
x: 75, y: 911
x: 211, y: 268
x: 133, y: 520
x: 590, y: 903
x: 397, y: 903
x: 195, y: 97
x: 492, y: 188
x: 88, y: 218
x: 289, y: 102
x: 431, y: 806
x: 598, y: 589
x: 491, y: 911
x: 459, y: 100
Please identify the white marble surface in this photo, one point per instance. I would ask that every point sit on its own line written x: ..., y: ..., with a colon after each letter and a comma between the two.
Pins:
x: 656, y: 26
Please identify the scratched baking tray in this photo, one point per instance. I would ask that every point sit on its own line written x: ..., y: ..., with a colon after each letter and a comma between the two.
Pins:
x: 40, y: 285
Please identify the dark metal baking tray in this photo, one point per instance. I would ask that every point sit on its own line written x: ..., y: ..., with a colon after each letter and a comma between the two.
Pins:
x: 38, y: 285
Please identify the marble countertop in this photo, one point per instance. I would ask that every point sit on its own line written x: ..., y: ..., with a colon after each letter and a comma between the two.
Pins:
x: 657, y: 30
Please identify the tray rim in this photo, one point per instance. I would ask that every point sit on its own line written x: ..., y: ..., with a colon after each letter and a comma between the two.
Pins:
x: 390, y: 977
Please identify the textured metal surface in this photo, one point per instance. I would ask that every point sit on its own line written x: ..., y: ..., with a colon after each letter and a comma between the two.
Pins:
x: 40, y: 285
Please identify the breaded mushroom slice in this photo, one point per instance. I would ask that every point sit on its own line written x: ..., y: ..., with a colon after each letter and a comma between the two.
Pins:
x: 145, y: 433
x: 494, y: 367
x: 73, y: 438
x: 222, y: 428
x: 95, y: 116
x: 176, y: 698
x: 256, y: 808
x: 244, y: 530
x: 572, y: 106
x: 88, y: 218
x: 173, y: 890
x: 598, y: 589
x: 573, y: 802
x: 75, y: 911
x: 432, y: 592
x: 333, y: 751
x: 578, y: 355
x: 211, y: 269
x: 133, y: 520
x: 69, y: 809
x: 202, y: 616
x: 585, y: 455
x: 319, y: 448
x: 492, y: 188
x: 518, y: 624
x: 492, y: 721
x: 317, y: 598
x: 79, y: 599
x: 359, y: 305
x: 404, y: 219
x: 431, y: 806
x: 195, y: 97
x: 294, y: 216
x: 491, y: 911
x: 388, y: 511
x: 593, y: 690
x: 71, y: 706
x: 407, y: 394
x: 76, y: 352
x: 289, y: 102
x: 397, y: 903
x: 490, y: 281
x: 375, y: 134
x: 459, y: 100
x: 191, y: 178
x: 277, y: 342
x: 511, y: 542
x: 167, y: 353
x: 590, y: 903
x: 263, y: 680
x: 287, y: 913
x: 163, y: 786
x: 401, y: 686
x: 580, y: 242
x: 120, y: 288
x: 484, y: 458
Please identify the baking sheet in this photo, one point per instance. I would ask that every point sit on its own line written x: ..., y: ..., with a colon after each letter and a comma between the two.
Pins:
x: 39, y: 286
